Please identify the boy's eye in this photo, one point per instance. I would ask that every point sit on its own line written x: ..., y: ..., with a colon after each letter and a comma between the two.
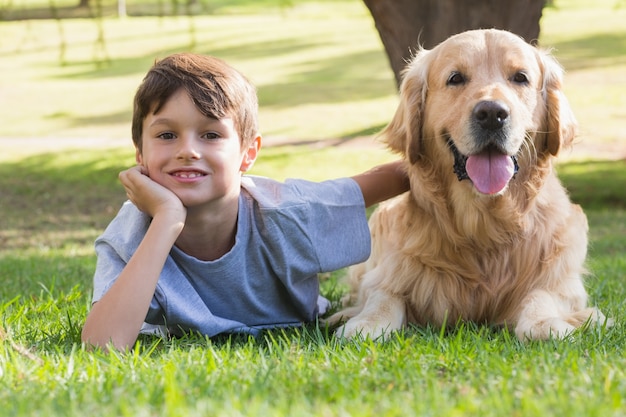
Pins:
x: 211, y: 135
x: 166, y: 136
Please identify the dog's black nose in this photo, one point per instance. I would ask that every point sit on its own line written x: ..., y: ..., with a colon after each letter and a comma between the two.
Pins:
x: 491, y: 115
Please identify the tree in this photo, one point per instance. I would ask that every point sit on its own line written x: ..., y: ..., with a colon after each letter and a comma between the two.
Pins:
x: 405, y: 24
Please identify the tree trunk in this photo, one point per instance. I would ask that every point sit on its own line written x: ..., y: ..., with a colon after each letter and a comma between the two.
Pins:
x: 83, y: 3
x: 405, y: 24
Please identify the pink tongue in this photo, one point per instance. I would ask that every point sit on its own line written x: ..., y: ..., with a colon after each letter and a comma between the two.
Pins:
x: 490, y: 171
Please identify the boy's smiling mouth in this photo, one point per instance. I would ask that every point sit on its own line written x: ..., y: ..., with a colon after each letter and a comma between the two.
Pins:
x: 187, y: 174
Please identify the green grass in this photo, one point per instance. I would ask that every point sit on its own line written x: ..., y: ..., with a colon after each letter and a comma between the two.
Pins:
x: 589, y: 39
x: 310, y: 63
x: 321, y: 74
x: 470, y: 370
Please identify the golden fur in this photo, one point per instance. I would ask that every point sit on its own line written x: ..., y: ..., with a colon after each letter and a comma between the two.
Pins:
x: 445, y: 252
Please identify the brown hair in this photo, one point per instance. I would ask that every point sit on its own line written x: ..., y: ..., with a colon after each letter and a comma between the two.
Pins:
x: 217, y: 90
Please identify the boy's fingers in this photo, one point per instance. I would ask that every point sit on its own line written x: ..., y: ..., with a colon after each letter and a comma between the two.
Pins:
x: 131, y: 176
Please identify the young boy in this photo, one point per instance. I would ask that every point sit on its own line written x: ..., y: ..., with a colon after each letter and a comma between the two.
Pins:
x: 201, y: 247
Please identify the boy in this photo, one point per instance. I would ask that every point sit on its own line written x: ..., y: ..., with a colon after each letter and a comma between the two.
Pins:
x: 201, y: 247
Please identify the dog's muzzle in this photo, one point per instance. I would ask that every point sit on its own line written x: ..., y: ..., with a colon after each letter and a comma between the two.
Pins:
x: 460, y: 161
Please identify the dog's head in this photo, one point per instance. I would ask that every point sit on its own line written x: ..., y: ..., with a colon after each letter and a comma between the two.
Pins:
x: 480, y: 100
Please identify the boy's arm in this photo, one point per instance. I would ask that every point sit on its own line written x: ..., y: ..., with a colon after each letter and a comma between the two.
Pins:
x: 383, y: 182
x: 118, y: 316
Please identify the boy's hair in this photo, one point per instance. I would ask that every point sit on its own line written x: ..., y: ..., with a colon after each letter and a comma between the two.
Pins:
x: 217, y: 90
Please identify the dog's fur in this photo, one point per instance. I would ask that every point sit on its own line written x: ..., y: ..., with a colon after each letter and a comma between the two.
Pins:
x: 444, y: 251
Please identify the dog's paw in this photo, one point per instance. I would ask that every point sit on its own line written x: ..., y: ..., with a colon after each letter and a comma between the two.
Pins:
x: 599, y: 319
x: 554, y: 328
x: 355, y: 328
x: 381, y: 314
x: 560, y: 328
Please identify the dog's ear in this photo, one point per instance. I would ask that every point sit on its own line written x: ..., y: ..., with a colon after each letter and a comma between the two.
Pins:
x: 561, y: 123
x: 403, y: 133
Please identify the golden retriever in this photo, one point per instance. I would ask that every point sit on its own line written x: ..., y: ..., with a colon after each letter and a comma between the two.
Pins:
x: 487, y: 233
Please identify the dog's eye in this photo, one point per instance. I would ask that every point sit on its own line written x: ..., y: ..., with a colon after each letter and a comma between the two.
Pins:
x: 456, y: 78
x: 520, y: 77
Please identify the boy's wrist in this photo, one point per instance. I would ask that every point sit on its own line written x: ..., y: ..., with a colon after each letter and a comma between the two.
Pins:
x: 174, y: 217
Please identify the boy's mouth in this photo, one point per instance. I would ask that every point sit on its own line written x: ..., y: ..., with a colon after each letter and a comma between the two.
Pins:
x: 188, y: 174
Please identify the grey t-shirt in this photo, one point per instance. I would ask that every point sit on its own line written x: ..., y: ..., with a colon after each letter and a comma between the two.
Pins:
x: 287, y: 233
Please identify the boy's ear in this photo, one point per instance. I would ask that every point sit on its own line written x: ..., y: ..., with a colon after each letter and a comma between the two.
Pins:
x: 138, y: 157
x: 250, y: 154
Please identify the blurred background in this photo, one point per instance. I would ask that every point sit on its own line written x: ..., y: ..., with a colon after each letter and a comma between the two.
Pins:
x: 69, y: 68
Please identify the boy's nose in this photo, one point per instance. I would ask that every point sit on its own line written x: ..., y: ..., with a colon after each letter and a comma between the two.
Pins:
x: 188, y: 148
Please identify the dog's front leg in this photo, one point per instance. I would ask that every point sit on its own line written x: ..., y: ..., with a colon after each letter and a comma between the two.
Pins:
x: 545, y: 316
x: 382, y: 314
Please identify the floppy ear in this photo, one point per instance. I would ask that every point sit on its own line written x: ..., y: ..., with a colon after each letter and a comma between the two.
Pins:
x: 561, y: 124
x: 403, y: 133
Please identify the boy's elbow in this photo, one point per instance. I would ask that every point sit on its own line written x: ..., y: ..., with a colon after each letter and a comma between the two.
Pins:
x: 106, y: 344
x: 93, y: 340
x: 89, y: 340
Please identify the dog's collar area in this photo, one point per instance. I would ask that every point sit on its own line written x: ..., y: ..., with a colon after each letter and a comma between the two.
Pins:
x: 460, y: 161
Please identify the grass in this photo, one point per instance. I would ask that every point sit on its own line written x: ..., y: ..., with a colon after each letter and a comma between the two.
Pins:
x: 76, y: 77
x: 321, y: 73
x: 311, y: 66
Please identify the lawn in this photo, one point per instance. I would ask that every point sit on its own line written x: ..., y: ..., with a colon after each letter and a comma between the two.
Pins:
x: 322, y: 74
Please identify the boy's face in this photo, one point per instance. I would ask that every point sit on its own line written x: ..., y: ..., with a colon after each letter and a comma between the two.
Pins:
x: 198, y: 158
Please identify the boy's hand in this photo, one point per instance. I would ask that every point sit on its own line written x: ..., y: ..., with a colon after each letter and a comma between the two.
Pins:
x: 149, y: 196
x: 383, y: 182
x: 118, y: 316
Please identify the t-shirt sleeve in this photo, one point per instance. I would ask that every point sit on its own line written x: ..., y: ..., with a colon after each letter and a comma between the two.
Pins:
x: 337, y: 223
x: 109, y: 265
x: 116, y: 245
x: 313, y: 226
